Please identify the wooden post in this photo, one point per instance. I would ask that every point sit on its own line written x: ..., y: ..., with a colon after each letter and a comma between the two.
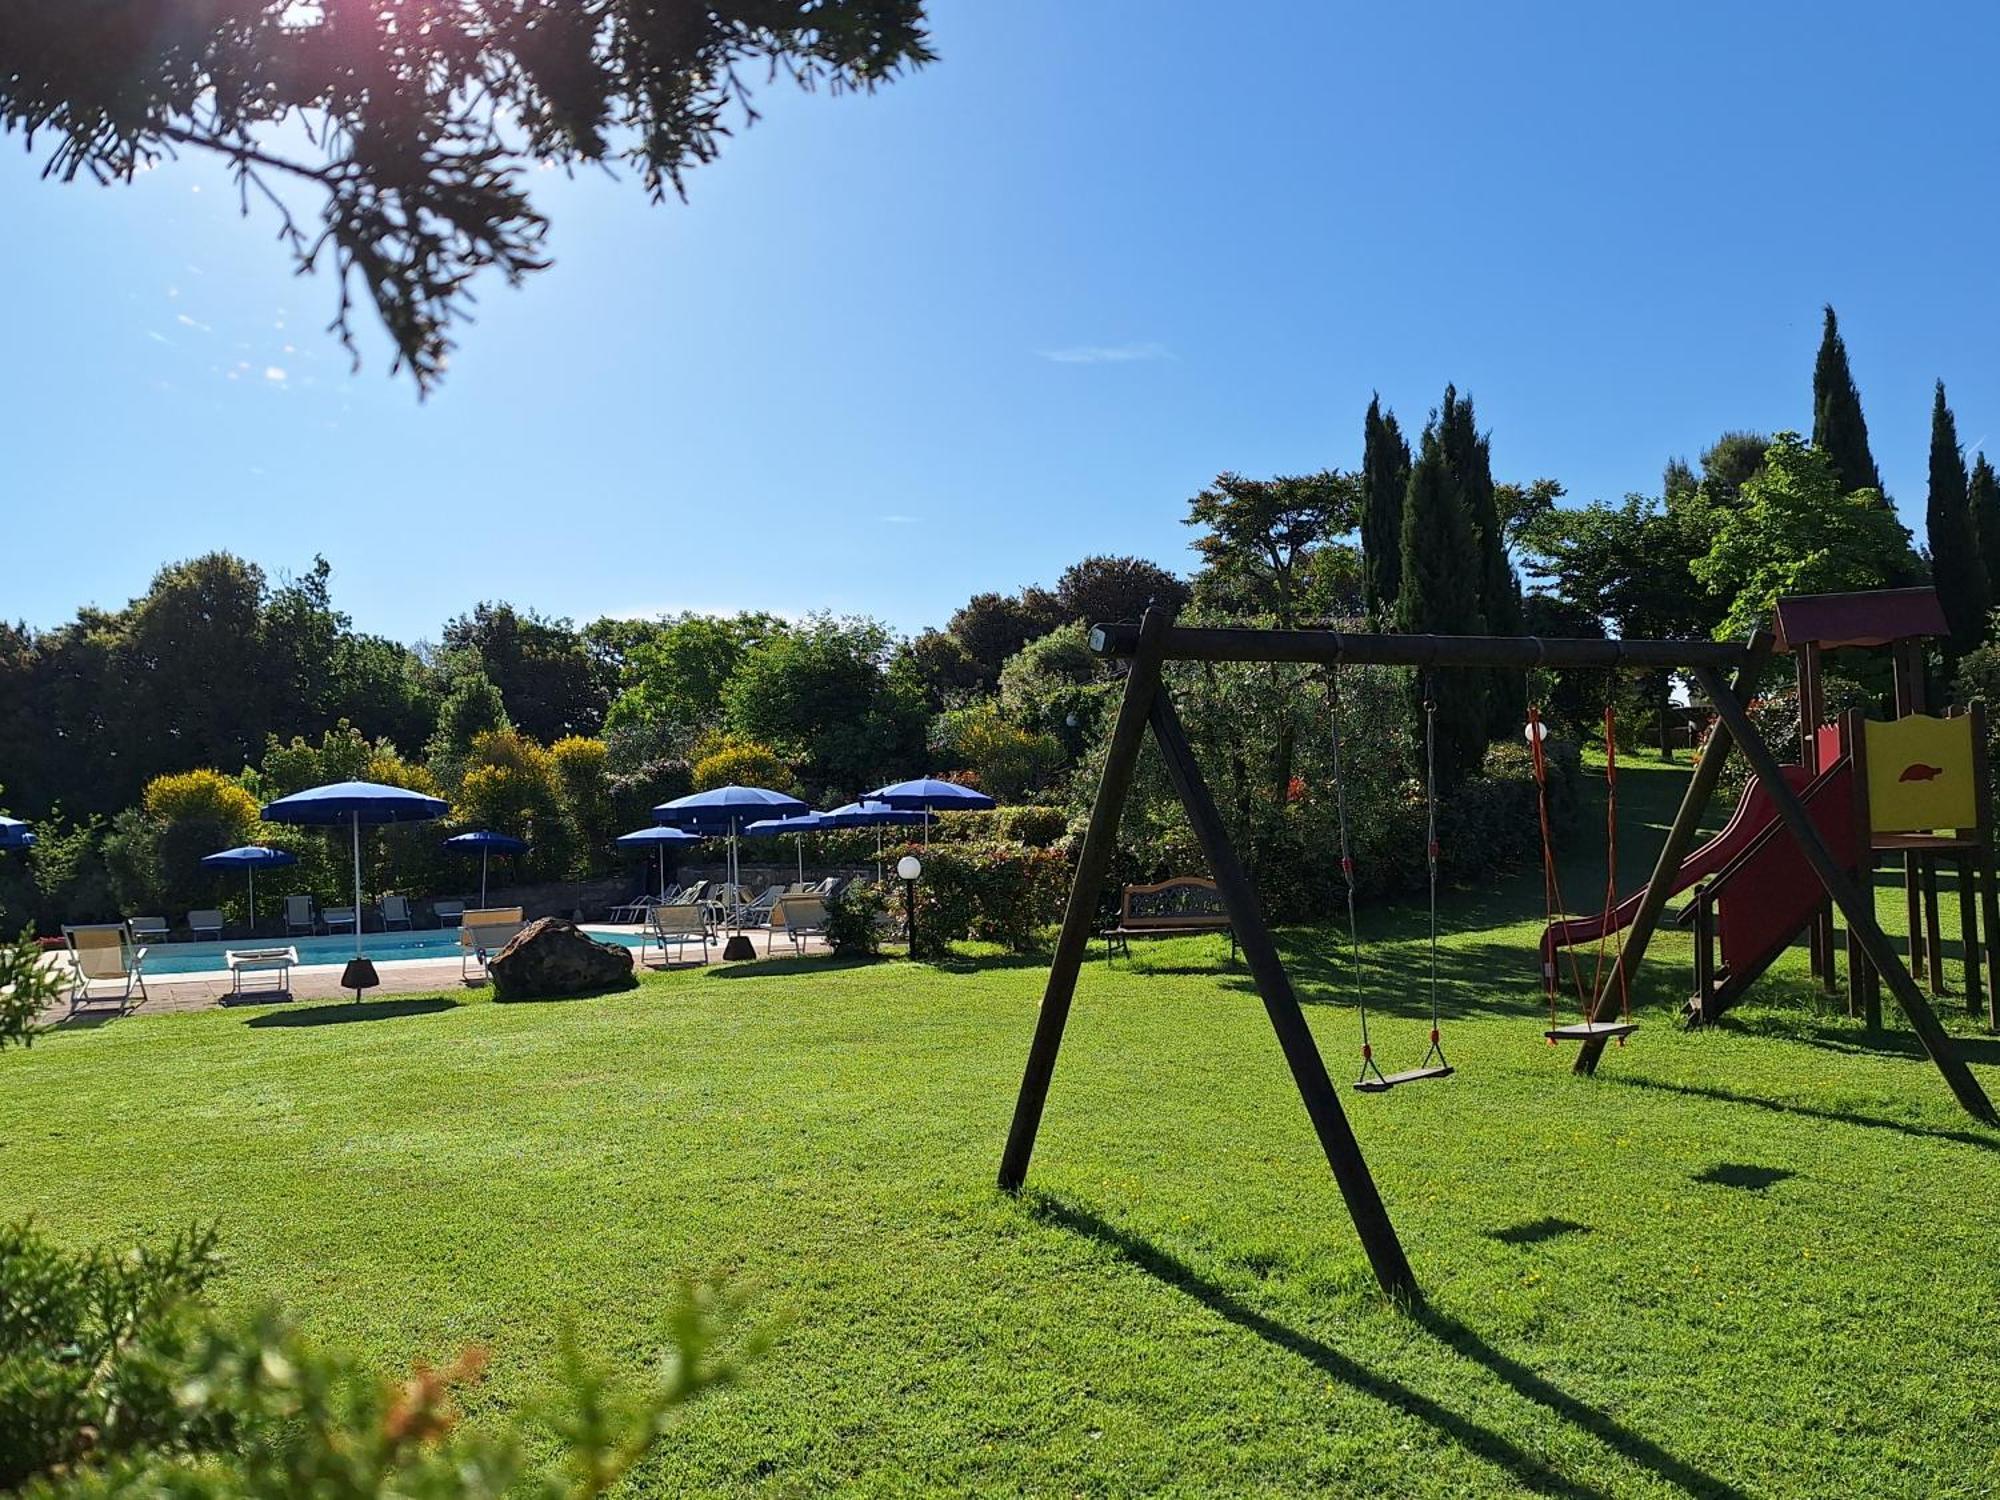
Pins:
x: 1856, y: 724
x: 1812, y: 709
x: 1093, y: 862
x: 1968, y: 931
x: 1989, y: 892
x: 1856, y: 905
x: 1336, y: 1136
x: 1933, y: 938
x: 1909, y: 689
x: 1680, y: 838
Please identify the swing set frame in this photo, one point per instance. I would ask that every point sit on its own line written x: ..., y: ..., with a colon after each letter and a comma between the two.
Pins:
x: 1148, y: 704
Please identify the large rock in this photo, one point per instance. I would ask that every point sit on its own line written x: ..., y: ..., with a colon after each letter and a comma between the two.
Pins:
x: 552, y: 957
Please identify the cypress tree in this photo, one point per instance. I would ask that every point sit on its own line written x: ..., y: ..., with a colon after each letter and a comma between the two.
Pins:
x: 1956, y: 567
x: 1385, y: 475
x: 1440, y: 593
x: 1839, y: 429
x: 1469, y: 460
x: 1983, y: 500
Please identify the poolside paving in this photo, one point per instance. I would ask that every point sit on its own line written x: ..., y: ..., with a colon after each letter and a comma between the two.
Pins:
x: 416, y: 976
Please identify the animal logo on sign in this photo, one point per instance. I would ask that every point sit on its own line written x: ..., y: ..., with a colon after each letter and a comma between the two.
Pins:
x: 1918, y: 771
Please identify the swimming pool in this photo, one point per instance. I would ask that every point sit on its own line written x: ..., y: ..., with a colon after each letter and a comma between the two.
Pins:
x: 383, y: 947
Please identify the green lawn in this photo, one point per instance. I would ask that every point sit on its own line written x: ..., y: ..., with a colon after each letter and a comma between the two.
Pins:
x: 1757, y: 1261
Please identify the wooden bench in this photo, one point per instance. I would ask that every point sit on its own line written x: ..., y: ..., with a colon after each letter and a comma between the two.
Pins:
x: 1186, y: 903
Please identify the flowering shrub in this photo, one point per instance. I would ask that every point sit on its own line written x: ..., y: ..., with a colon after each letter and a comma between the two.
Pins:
x: 995, y: 892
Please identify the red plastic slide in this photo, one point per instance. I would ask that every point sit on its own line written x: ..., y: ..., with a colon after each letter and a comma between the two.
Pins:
x: 1753, y: 814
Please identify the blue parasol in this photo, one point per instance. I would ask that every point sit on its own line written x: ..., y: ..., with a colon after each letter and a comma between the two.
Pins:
x: 487, y: 843
x: 355, y: 803
x: 875, y: 815
x: 659, y: 838
x: 14, y: 834
x: 927, y: 794
x: 726, y: 811
x: 248, y: 858
x: 803, y: 824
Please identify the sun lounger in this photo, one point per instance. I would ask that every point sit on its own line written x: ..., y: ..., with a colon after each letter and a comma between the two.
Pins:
x: 758, y: 912
x: 205, y: 924
x: 798, y: 918
x: 243, y: 961
x: 483, y: 933
x: 104, y: 953
x: 300, y: 915
x: 334, y: 918
x: 147, y: 929
x: 395, y: 912
x: 631, y: 911
x: 679, y: 925
x: 448, y: 913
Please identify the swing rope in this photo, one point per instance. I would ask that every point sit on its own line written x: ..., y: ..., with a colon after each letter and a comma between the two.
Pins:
x: 1371, y: 1079
x: 1431, y: 851
x: 1368, y: 1066
x: 1552, y: 896
x: 1608, y: 928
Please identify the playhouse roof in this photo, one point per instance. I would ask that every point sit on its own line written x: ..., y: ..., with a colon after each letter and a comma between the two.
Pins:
x: 1871, y: 619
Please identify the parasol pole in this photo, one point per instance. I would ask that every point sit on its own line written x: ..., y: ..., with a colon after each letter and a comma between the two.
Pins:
x: 357, y: 882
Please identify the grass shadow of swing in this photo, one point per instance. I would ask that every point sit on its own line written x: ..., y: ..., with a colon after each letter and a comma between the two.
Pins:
x: 1742, y: 1175
x: 1806, y: 1111
x: 1528, y: 1470
x: 1537, y: 1231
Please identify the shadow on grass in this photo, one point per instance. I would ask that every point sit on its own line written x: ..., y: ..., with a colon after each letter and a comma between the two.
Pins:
x: 87, y: 1020
x: 352, y: 1010
x: 1807, y: 1111
x: 622, y: 987
x: 1537, y: 1231
x: 790, y: 963
x: 1529, y: 1471
x: 1857, y: 1042
x: 1737, y: 1174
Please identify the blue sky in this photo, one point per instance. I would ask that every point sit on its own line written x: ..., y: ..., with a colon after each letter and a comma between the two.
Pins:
x: 1017, y: 308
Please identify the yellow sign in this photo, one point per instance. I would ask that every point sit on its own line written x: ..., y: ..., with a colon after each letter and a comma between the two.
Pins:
x: 1920, y: 774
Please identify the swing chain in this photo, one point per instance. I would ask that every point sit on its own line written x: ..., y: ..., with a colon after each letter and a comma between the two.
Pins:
x: 1347, y: 873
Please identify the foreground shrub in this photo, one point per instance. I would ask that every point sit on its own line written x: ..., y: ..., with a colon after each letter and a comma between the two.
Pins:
x: 997, y: 892
x: 853, y: 919
x: 118, y: 1378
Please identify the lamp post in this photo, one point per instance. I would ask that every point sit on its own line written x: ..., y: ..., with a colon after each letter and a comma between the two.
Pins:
x: 909, y: 870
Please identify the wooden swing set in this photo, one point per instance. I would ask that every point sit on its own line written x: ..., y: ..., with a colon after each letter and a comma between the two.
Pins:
x: 1156, y: 640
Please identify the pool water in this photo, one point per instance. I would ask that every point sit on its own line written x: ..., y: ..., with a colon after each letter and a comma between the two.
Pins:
x: 383, y: 947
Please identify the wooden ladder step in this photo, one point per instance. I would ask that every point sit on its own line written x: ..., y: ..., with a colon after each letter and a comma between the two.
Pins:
x: 1590, y: 1031
x: 1410, y: 1075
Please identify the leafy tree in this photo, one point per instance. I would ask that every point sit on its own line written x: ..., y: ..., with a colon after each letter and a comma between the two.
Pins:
x: 1983, y: 500
x: 1116, y: 588
x: 1956, y: 566
x: 1385, y: 476
x: 734, y: 762
x: 550, y: 681
x: 1522, y: 506
x: 405, y: 150
x: 675, y: 675
x: 1839, y: 430
x: 940, y: 666
x: 1057, y: 686
x: 473, y: 707
x: 1260, y: 535
x: 1795, y: 532
x: 583, y: 784
x: 1729, y: 463
x: 1010, y: 762
x: 992, y: 627
x: 194, y: 813
x: 822, y: 696
x: 1442, y: 570
x: 510, y: 785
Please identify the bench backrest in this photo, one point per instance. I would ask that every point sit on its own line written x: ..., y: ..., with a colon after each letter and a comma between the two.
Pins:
x: 396, y: 908
x: 299, y: 909
x: 1184, y: 901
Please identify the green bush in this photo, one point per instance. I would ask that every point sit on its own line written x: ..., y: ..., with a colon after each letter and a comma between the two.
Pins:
x: 853, y: 927
x: 117, y: 1378
x: 997, y: 892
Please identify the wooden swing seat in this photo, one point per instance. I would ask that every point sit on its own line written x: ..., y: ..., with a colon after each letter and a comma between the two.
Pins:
x: 1591, y: 1031
x: 1409, y: 1075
